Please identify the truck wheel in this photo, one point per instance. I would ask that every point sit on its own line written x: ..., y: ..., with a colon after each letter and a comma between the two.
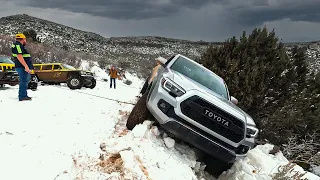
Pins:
x: 1, y: 85
x: 75, y: 82
x: 145, y: 86
x: 92, y: 84
x: 33, y: 84
x: 139, y: 113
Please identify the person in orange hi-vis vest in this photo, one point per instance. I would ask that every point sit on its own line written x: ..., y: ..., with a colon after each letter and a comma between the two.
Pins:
x: 113, y: 73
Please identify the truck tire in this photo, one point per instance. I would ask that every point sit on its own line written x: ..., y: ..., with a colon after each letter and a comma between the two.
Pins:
x: 92, y: 84
x: 139, y: 113
x: 33, y: 84
x: 145, y: 86
x: 75, y: 82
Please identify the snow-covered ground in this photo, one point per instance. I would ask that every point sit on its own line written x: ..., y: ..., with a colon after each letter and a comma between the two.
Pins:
x: 80, y: 134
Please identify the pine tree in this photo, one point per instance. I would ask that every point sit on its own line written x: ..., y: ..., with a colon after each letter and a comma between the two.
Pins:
x: 251, y: 66
x: 272, y: 86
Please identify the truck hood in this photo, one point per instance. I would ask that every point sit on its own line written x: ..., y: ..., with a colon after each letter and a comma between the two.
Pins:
x: 189, y: 84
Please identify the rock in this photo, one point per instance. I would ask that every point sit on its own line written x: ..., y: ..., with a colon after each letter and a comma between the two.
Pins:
x: 275, y: 150
x: 165, y: 135
x: 148, y: 123
x: 169, y: 142
x: 197, y: 167
x: 103, y: 146
x: 139, y: 131
x: 155, y: 131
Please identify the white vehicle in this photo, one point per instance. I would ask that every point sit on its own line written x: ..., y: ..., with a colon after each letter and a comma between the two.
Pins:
x: 193, y: 104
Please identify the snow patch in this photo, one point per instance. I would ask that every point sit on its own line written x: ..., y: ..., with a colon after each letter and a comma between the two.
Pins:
x: 259, y: 164
x: 169, y: 142
x: 316, y: 170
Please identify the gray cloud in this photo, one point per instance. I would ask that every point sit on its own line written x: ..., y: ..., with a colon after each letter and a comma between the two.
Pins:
x: 250, y: 12
x: 210, y: 21
x: 253, y: 12
x: 120, y: 9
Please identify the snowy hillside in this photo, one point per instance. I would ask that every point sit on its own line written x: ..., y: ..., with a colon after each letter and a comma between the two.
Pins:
x: 86, y: 139
x: 136, y: 50
x: 133, y: 51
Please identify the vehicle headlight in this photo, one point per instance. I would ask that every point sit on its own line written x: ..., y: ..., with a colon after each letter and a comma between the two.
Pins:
x: 252, y: 131
x: 172, y: 88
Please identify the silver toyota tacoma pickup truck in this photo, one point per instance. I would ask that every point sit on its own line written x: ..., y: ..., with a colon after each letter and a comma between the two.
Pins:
x: 194, y: 104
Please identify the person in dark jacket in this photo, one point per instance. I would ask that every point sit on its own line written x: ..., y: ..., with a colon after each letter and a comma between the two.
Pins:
x: 23, y: 65
x: 113, y: 73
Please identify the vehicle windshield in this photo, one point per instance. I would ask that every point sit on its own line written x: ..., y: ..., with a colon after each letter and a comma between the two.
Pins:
x: 6, y: 60
x: 66, y: 66
x: 200, y: 75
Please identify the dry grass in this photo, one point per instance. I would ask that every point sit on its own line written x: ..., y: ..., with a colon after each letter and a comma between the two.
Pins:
x: 143, y: 168
x: 283, y: 172
x: 113, y: 163
x: 120, y: 128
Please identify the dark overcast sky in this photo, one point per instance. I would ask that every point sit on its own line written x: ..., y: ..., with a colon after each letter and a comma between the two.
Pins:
x: 209, y: 20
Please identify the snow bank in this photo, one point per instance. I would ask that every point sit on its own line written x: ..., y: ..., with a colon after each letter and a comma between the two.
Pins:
x: 316, y: 170
x: 136, y: 82
x: 259, y: 164
x: 42, y: 139
x: 99, y: 73
x: 84, y: 65
x: 146, y: 156
x: 102, y: 75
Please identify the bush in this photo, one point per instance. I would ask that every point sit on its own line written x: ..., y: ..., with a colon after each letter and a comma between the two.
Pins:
x: 127, y: 82
x: 304, y: 152
x: 287, y: 172
x: 273, y: 86
x: 31, y: 35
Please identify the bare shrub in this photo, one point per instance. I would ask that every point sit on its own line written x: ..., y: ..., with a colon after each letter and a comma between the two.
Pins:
x: 127, y: 82
x: 303, y: 151
x: 287, y: 172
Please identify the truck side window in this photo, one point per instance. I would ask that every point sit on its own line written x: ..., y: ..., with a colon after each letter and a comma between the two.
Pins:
x: 57, y: 67
x: 47, y: 67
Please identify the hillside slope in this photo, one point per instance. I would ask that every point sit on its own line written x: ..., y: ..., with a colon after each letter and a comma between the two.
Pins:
x: 136, y: 50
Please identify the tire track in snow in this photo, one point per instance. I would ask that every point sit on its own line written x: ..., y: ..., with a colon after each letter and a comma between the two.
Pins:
x: 97, y: 96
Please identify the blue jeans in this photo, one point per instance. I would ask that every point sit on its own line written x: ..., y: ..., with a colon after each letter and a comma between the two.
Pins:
x: 114, y: 82
x: 24, y: 79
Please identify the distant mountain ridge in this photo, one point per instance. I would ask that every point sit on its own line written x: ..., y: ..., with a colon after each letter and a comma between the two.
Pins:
x: 139, y: 52
x: 136, y: 50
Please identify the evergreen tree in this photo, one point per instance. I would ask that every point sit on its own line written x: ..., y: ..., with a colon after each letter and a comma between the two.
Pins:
x: 300, y: 65
x: 252, y: 68
x: 31, y: 35
x: 272, y: 86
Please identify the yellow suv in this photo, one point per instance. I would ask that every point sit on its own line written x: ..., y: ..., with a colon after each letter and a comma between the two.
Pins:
x: 56, y: 73
x: 8, y: 74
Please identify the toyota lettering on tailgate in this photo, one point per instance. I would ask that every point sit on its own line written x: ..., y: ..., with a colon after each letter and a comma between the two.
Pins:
x: 216, y: 118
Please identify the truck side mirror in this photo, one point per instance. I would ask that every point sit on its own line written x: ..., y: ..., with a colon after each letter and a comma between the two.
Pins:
x: 234, y: 100
x: 163, y: 65
x: 162, y: 61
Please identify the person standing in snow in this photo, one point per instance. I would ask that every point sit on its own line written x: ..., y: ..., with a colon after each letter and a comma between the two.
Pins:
x: 113, y: 73
x: 23, y: 65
